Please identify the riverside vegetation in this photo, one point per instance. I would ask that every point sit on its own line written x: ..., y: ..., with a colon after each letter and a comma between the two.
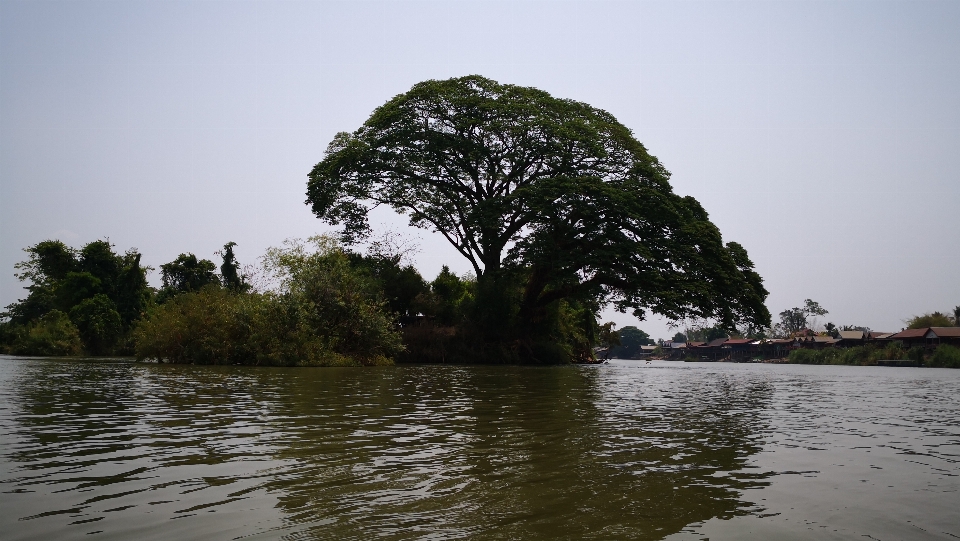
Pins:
x: 795, y: 321
x: 799, y: 322
x: 321, y: 305
x: 944, y: 356
x: 559, y: 210
x: 316, y: 304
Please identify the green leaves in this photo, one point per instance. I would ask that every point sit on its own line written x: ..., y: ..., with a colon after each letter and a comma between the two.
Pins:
x: 795, y: 319
x: 333, y: 299
x: 52, y: 334
x: 99, y: 323
x: 631, y: 338
x: 322, y: 311
x: 187, y: 273
x: 103, y: 292
x: 452, y: 153
x: 49, y: 261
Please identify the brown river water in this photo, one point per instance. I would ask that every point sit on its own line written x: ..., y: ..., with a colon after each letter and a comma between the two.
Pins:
x: 627, y: 450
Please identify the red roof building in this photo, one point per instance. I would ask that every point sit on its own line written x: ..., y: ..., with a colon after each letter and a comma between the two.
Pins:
x: 928, y: 336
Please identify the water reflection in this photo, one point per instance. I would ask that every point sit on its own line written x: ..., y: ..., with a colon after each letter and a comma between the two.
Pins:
x: 512, y: 453
x: 123, y: 450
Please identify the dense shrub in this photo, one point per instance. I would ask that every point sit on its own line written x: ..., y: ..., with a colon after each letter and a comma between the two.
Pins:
x: 103, y: 292
x: 327, y: 296
x: 99, y: 323
x: 52, y: 334
x: 205, y: 327
x: 323, y: 312
x: 859, y: 355
x: 806, y: 356
x: 893, y: 350
x: 945, y: 356
x: 216, y: 326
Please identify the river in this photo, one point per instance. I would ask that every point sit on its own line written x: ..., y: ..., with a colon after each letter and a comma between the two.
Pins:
x: 95, y: 449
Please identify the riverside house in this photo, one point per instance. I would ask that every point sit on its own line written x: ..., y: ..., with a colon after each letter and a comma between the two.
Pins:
x: 928, y: 337
x: 745, y: 349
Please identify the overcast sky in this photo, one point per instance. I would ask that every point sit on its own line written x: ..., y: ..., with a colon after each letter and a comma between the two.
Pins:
x: 823, y: 136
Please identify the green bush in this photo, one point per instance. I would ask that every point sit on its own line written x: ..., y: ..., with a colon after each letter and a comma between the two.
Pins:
x: 893, y: 350
x: 324, y: 313
x: 327, y: 297
x: 205, y: 327
x: 802, y: 356
x: 860, y: 355
x: 216, y: 326
x: 52, y: 334
x: 99, y: 323
x: 945, y: 356
x: 806, y: 356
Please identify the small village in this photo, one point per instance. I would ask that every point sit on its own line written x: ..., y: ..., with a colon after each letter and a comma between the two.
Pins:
x: 728, y: 349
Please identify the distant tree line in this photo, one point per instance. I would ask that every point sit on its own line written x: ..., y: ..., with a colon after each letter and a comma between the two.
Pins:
x: 804, y: 320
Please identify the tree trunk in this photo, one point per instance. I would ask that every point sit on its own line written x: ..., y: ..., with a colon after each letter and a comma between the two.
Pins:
x: 531, y: 312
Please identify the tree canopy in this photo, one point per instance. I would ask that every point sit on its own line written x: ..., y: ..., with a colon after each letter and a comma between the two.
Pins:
x: 102, y: 292
x: 631, y: 338
x: 322, y: 312
x: 797, y: 319
x: 230, y: 270
x: 187, y: 273
x: 550, y: 189
x: 933, y: 319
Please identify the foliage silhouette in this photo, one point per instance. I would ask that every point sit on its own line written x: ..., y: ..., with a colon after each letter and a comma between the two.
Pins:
x: 548, y: 199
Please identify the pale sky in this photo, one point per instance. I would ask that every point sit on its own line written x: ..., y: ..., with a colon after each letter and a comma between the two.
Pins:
x: 823, y: 136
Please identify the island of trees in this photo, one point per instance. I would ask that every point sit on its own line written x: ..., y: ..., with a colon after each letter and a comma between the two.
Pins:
x: 557, y: 208
x: 315, y: 302
x: 554, y: 204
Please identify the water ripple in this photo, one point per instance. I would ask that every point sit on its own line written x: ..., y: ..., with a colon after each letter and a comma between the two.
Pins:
x: 625, y: 450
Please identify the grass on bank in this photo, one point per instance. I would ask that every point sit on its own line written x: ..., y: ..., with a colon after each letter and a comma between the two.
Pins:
x: 945, y: 356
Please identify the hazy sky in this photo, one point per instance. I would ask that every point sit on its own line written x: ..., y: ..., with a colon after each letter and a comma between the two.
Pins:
x: 823, y: 136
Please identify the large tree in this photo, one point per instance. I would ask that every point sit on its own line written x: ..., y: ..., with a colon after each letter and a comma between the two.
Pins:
x: 552, y: 190
x: 796, y: 319
x: 631, y: 338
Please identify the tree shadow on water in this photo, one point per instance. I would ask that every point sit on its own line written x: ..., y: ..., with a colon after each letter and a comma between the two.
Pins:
x: 517, y: 452
x: 407, y: 452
